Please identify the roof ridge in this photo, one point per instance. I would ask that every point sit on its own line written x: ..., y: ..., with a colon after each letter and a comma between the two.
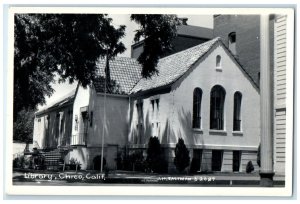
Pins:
x: 191, y: 48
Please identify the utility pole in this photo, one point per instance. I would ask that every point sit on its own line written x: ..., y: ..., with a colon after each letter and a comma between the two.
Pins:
x: 266, y: 108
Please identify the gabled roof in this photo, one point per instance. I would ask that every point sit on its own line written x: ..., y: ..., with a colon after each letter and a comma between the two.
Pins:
x: 125, y: 73
x: 66, y: 99
x: 174, y: 66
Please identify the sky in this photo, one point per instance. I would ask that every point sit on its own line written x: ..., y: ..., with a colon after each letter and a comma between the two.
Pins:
x: 124, y: 19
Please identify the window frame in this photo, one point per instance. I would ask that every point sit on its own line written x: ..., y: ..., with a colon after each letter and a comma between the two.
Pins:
x: 237, y: 115
x: 217, y: 112
x: 197, y: 101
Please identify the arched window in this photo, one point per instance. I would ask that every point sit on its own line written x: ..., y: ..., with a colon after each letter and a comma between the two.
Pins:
x: 217, y: 98
x: 218, y: 61
x: 237, y: 111
x: 232, y: 42
x: 197, y: 97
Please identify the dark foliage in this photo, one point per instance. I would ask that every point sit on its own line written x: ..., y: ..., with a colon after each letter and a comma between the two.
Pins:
x: 249, y: 167
x: 23, y: 162
x: 158, y: 31
x: 155, y: 161
x: 182, y: 158
x: 66, y: 44
x: 23, y: 126
x: 97, y: 162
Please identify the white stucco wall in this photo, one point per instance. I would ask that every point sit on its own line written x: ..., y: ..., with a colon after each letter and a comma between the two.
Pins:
x: 39, y: 131
x: 232, y: 79
x: 81, y: 100
x: 115, y: 122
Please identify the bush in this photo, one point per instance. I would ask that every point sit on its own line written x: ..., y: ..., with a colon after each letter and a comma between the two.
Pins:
x: 249, y: 167
x: 97, y: 162
x: 182, y: 158
x: 155, y: 161
x: 136, y: 161
x: 22, y: 162
x: 73, y: 162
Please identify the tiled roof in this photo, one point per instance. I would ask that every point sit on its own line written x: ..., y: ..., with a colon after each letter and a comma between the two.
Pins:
x: 125, y: 73
x: 195, y: 31
x: 174, y: 66
x: 68, y: 98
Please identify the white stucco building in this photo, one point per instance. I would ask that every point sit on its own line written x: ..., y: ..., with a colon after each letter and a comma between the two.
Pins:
x: 201, y: 94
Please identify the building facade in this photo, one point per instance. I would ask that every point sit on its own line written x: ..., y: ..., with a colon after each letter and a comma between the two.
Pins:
x: 202, y: 95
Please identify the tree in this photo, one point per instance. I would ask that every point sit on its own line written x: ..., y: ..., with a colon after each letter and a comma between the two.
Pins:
x: 70, y: 44
x: 158, y: 31
x: 66, y: 44
x: 182, y: 158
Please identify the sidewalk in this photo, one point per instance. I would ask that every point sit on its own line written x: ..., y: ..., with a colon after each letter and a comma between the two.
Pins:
x: 124, y: 177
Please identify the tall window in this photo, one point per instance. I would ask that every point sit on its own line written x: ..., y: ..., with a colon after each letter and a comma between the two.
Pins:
x: 155, y: 117
x: 237, y: 111
x: 232, y: 42
x: 218, y: 61
x: 197, y: 108
x: 140, y: 115
x: 217, y: 98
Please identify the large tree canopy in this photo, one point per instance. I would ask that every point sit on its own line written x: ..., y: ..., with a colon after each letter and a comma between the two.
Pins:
x: 70, y: 44
x: 158, y: 31
x: 66, y: 44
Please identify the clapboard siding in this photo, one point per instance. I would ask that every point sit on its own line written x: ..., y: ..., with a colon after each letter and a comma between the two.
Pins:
x: 280, y: 93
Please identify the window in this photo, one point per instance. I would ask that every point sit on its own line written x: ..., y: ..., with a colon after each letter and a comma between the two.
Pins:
x: 217, y: 98
x: 197, y: 108
x: 232, y: 42
x: 218, y: 61
x: 155, y: 117
x: 237, y: 111
x: 139, y: 107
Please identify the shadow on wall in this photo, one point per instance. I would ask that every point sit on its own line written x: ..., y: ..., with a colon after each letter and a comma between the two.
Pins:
x: 147, y: 130
x: 185, y: 132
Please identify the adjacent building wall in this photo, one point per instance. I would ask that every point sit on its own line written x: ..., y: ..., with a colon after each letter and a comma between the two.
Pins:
x: 52, y: 128
x: 280, y: 93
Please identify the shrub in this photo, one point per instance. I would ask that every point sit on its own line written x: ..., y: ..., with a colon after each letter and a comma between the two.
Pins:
x: 182, y: 158
x: 21, y: 162
x: 154, y: 161
x: 136, y: 161
x: 249, y: 167
x: 97, y: 162
x: 73, y: 162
